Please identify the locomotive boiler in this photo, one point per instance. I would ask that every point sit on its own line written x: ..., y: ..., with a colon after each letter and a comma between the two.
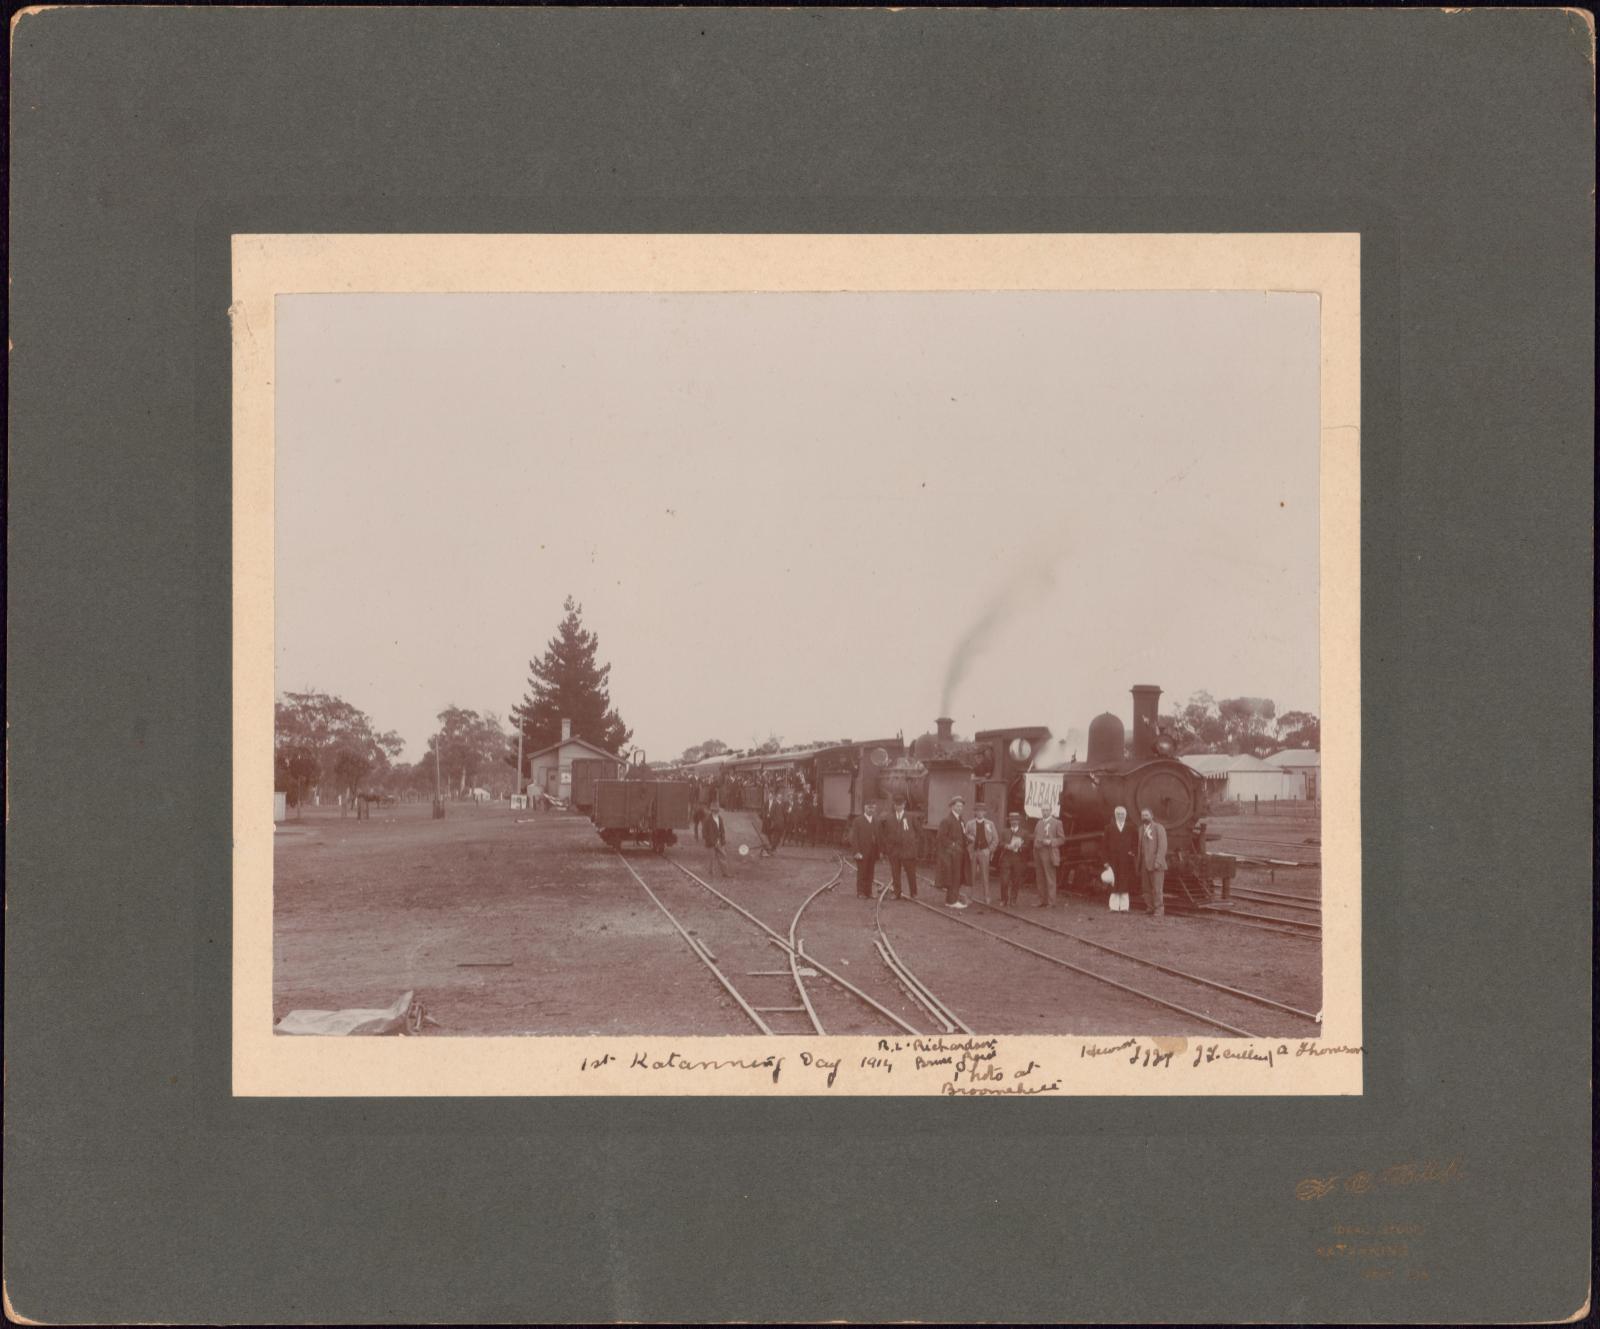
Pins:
x: 1139, y: 773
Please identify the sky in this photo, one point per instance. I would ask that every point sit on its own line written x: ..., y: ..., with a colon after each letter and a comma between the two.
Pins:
x: 819, y: 516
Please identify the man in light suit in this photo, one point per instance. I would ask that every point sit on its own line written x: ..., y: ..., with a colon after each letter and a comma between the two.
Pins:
x: 1048, y: 837
x: 952, y: 853
x: 1152, y: 862
x: 982, y: 837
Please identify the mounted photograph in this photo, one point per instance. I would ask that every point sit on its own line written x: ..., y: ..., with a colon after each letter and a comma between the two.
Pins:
x: 744, y: 653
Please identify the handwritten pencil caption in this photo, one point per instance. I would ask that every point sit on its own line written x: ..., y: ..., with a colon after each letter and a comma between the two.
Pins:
x: 964, y: 1067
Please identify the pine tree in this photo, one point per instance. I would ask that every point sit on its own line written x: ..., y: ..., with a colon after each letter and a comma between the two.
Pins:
x: 566, y: 683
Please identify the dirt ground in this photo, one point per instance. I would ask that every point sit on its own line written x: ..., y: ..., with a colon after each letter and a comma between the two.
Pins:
x: 508, y: 922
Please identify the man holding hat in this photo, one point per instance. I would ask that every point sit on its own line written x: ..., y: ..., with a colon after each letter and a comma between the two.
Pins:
x: 1121, y: 849
x: 1013, y: 847
x: 952, y: 853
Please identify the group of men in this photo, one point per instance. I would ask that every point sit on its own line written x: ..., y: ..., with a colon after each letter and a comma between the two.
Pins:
x: 967, y: 849
x: 712, y: 831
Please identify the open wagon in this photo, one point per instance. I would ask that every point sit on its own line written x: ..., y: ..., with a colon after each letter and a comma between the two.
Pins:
x: 648, y: 812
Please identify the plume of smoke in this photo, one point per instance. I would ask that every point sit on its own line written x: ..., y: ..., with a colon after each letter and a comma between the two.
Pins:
x: 1032, y: 582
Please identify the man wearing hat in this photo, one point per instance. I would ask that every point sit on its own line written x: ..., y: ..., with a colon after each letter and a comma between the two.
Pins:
x: 901, y: 839
x: 1013, y: 847
x: 981, y: 837
x: 1152, y: 862
x: 1048, y: 837
x: 714, y: 834
x: 952, y: 853
x: 864, y: 840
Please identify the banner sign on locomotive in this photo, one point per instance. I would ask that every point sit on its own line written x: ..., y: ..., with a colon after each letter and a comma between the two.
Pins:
x: 1042, y: 793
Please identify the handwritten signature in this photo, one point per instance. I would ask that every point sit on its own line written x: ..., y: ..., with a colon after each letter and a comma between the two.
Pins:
x: 1396, y: 1175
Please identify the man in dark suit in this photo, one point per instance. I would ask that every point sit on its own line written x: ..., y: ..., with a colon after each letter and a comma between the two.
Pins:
x: 1121, y: 850
x: 953, y: 853
x: 864, y: 840
x: 1013, y: 859
x: 714, y: 832
x: 776, y: 823
x: 901, y: 843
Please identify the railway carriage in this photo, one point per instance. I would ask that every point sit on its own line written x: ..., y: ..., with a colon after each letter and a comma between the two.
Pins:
x: 1007, y: 770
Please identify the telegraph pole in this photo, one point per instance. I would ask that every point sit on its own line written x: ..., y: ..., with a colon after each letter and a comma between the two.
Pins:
x: 438, y: 787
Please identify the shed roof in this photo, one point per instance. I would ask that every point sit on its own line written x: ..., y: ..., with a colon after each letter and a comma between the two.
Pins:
x: 570, y: 742
x: 1295, y: 757
x: 1222, y: 763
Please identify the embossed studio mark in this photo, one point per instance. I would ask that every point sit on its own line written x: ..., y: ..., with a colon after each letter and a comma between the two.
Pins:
x: 1398, y: 1174
x: 1314, y: 1188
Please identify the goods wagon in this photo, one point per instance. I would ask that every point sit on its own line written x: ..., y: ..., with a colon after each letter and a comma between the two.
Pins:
x: 649, y: 812
x: 586, y: 772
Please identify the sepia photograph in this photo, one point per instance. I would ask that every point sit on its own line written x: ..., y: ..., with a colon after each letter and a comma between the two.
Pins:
x: 897, y: 664
x: 620, y: 613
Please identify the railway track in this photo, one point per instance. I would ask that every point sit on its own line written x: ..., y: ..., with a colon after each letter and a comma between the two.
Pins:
x: 1235, y: 1003
x: 1253, y: 918
x: 1270, y: 852
x: 798, y: 1014
x: 915, y: 988
x: 1255, y: 998
x: 1293, y: 897
x: 1273, y: 900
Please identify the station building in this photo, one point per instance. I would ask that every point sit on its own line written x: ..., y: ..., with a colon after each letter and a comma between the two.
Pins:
x: 551, y: 770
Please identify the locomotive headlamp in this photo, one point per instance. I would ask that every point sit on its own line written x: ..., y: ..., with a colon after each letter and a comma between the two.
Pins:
x: 1020, y: 749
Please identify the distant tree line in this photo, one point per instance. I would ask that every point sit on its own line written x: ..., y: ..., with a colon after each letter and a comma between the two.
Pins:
x: 324, y: 746
x: 1239, y: 725
x: 323, y: 741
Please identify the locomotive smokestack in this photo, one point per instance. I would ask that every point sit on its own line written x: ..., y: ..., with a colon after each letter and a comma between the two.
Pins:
x: 944, y: 724
x: 1146, y: 706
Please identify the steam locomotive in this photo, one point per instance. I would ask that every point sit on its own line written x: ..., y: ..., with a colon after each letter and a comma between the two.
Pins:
x: 1012, y: 770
